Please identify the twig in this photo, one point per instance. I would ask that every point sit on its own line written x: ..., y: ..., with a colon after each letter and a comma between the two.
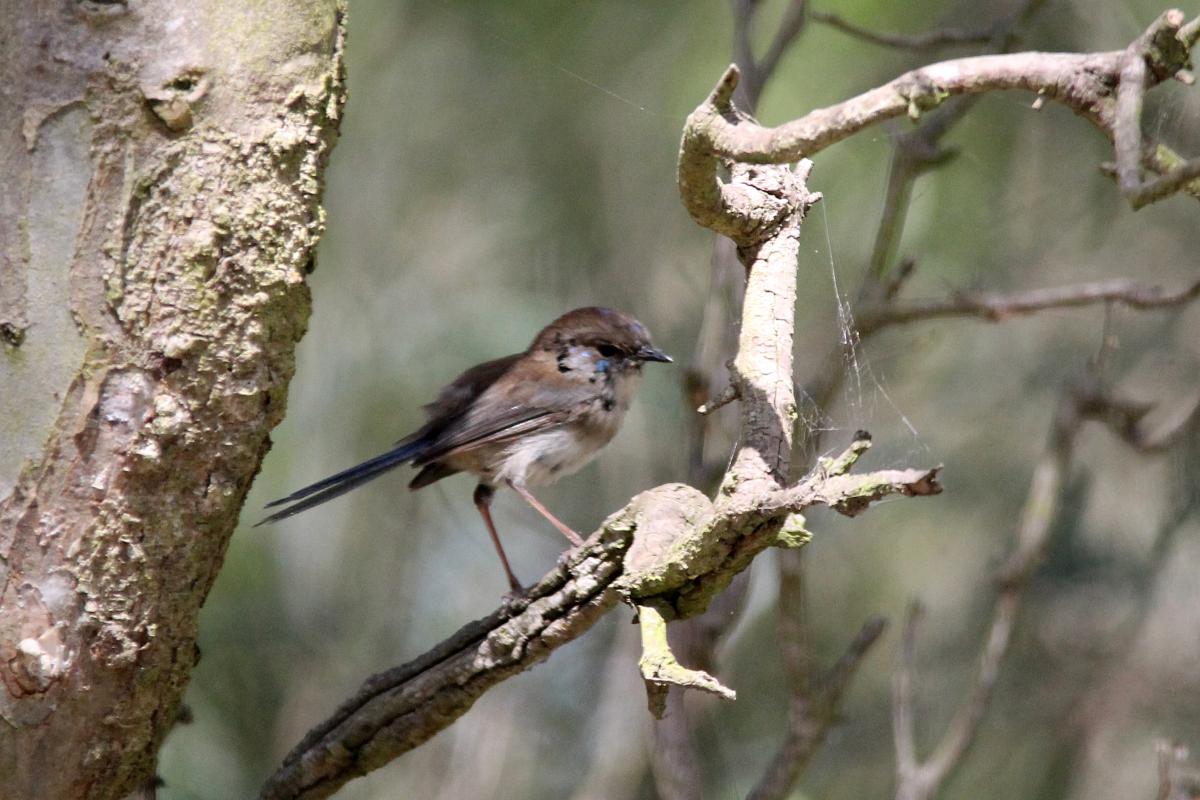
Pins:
x: 790, y: 27
x: 660, y: 669
x: 903, y: 714
x: 811, y: 716
x: 727, y: 396
x: 917, y: 780
x: 615, y: 771
x: 1086, y: 398
x: 1167, y: 37
x: 999, y: 307
x: 905, y: 41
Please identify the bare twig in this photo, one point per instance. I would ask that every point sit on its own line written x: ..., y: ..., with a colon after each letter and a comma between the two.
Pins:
x: 616, y: 769
x: 1086, y: 398
x: 660, y: 669
x: 917, y: 780
x: 676, y: 765
x: 1166, y: 38
x: 790, y: 27
x: 727, y: 396
x: 905, y: 41
x: 811, y: 714
x: 999, y: 307
x: 903, y: 713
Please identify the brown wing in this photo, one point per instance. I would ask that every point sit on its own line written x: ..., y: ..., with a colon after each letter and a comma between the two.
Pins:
x: 466, y: 388
x: 520, y: 399
x: 453, y: 400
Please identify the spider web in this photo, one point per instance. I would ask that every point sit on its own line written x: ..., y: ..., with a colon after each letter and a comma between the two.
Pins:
x: 863, y: 399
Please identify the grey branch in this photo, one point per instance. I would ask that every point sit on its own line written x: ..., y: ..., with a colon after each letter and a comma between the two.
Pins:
x: 670, y: 548
x: 999, y: 307
x: 905, y: 41
x: 917, y: 780
x: 1163, y: 44
x: 1082, y: 82
x: 811, y: 714
x: 1086, y: 398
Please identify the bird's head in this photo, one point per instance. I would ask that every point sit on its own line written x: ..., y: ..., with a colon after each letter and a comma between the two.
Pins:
x: 601, y: 339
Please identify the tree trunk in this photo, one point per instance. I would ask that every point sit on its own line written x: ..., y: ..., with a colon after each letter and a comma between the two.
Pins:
x: 161, y: 172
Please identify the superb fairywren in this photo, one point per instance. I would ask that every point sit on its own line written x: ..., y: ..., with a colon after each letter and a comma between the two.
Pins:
x: 519, y: 421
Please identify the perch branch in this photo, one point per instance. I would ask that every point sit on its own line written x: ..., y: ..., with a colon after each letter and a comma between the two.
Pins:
x: 639, y: 555
x: 676, y: 763
x: 670, y: 548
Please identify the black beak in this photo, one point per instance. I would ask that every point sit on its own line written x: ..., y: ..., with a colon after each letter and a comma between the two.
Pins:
x: 648, y: 353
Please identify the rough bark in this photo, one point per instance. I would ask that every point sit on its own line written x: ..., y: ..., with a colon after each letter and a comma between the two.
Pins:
x: 162, y: 171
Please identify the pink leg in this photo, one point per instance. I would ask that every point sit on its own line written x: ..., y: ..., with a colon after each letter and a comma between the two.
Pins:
x: 573, y: 537
x: 483, y: 499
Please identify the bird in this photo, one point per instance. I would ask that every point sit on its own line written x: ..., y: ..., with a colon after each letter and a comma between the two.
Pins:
x: 521, y: 421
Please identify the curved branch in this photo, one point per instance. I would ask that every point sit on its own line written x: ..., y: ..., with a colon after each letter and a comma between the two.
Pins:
x: 669, y: 548
x: 812, y: 714
x: 1085, y: 399
x: 1085, y: 83
x: 905, y: 41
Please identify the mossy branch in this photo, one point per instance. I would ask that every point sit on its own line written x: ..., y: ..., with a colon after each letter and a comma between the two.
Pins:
x: 666, y: 553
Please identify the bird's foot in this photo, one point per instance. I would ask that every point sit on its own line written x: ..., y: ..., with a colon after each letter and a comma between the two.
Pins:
x: 514, y: 601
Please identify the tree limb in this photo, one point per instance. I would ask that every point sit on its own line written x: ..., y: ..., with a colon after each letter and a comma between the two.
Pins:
x: 1086, y: 398
x: 669, y: 547
x: 905, y: 41
x: 1082, y: 82
x: 812, y: 713
x: 1000, y: 307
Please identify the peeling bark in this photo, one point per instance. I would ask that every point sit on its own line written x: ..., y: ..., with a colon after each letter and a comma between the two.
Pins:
x: 162, y: 166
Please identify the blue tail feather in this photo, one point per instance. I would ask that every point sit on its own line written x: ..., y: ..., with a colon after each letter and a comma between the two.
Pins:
x: 337, y: 485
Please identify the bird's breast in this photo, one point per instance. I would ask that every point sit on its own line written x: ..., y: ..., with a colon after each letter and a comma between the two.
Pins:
x: 544, y: 457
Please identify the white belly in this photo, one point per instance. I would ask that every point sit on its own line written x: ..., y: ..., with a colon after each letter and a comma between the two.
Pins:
x: 543, y: 458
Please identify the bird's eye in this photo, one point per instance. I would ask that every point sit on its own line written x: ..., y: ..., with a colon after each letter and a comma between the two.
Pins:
x: 607, y: 350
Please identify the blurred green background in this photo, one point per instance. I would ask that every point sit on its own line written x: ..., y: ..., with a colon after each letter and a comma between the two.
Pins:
x: 501, y: 163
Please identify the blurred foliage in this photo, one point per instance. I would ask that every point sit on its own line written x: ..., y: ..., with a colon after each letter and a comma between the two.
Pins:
x: 503, y: 162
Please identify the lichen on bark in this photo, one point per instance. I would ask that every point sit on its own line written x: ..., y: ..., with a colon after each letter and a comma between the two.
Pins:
x: 201, y: 132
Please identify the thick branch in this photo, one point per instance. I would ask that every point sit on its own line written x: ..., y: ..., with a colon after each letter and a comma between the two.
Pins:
x: 1082, y: 82
x: 668, y: 548
x: 162, y: 170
